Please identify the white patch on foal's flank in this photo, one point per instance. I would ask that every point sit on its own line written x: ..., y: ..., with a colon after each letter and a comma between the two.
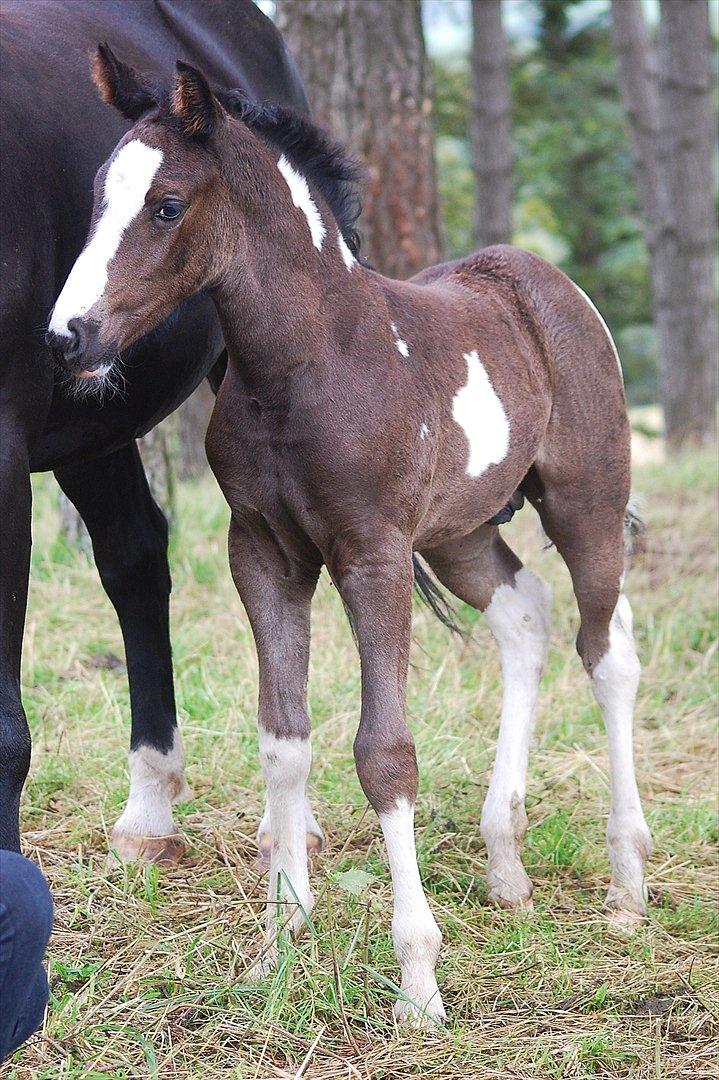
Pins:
x: 604, y: 326
x: 303, y: 200
x: 402, y: 346
x: 156, y: 781
x: 347, y: 256
x: 415, y: 933
x: 423, y: 432
x: 479, y: 412
x: 127, y: 182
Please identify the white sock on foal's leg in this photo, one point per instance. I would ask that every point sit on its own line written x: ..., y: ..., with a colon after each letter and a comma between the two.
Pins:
x: 415, y: 933
x: 314, y: 838
x: 519, y: 616
x: 146, y: 830
x: 614, y: 682
x: 286, y: 766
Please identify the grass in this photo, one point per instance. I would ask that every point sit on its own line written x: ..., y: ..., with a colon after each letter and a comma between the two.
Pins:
x: 147, y: 966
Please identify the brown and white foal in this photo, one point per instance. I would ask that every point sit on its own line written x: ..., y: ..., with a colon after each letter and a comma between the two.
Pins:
x: 362, y: 420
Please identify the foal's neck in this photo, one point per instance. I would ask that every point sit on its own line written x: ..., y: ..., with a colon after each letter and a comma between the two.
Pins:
x: 295, y: 294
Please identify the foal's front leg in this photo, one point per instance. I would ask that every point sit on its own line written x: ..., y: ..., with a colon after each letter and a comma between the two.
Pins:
x: 277, y: 600
x: 378, y: 591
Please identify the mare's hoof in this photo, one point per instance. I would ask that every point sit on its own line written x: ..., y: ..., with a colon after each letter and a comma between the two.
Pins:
x: 414, y: 1015
x: 163, y: 850
x: 262, y: 862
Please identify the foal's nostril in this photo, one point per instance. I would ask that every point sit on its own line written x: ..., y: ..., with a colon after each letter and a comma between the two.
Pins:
x: 75, y: 343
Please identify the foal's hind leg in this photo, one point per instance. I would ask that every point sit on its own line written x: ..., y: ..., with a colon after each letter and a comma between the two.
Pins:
x: 592, y: 546
x: 484, y: 572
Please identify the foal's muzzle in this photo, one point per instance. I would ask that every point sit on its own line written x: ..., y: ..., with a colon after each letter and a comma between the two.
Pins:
x: 79, y: 349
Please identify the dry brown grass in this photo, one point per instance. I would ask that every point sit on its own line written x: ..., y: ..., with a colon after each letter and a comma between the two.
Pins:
x: 147, y: 967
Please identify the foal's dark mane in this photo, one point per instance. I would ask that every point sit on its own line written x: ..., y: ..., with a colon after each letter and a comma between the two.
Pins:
x: 326, y: 164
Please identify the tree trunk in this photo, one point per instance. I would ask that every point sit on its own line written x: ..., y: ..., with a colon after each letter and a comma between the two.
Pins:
x: 489, y: 127
x: 686, y: 299
x: 672, y: 129
x: 156, y: 454
x: 193, y: 416
x: 369, y: 83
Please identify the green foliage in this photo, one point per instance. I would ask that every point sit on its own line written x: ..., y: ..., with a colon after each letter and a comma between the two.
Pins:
x: 575, y: 193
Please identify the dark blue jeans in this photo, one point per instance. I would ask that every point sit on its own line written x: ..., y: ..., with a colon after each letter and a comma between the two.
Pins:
x: 25, y: 925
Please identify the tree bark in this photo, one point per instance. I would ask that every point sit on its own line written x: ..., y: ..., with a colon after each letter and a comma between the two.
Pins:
x: 687, y: 131
x: 369, y: 83
x: 669, y: 108
x: 193, y: 416
x: 489, y: 127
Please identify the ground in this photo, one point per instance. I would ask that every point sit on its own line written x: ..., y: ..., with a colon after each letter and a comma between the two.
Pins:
x: 148, y: 967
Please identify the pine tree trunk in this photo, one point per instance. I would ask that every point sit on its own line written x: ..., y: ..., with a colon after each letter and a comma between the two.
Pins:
x: 369, y: 82
x: 687, y: 301
x: 489, y: 127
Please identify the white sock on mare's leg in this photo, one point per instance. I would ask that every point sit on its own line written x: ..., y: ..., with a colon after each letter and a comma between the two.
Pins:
x: 415, y: 933
x: 519, y: 616
x: 146, y: 830
x: 614, y: 681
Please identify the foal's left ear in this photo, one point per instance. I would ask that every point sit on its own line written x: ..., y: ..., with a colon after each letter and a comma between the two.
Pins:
x: 193, y: 101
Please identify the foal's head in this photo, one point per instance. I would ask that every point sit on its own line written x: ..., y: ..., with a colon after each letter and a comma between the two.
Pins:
x: 171, y: 206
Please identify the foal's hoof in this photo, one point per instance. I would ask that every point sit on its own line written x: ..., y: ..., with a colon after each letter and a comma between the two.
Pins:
x: 163, y: 850
x: 625, y: 909
x: 264, y: 965
x: 412, y: 1014
x: 314, y: 847
x: 510, y: 890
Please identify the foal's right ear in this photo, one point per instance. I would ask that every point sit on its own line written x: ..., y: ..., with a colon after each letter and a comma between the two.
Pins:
x: 120, y: 85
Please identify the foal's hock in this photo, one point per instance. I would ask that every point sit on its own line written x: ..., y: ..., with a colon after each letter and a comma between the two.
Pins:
x: 362, y: 420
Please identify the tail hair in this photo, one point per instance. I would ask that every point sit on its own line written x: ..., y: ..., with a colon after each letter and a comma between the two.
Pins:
x: 436, y: 598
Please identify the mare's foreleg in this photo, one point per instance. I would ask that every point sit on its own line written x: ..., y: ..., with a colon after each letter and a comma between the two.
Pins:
x: 484, y: 572
x: 376, y: 585
x: 15, y: 511
x: 129, y: 539
x: 277, y: 600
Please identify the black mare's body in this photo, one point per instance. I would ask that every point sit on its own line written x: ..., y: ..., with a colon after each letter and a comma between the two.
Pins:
x: 54, y: 133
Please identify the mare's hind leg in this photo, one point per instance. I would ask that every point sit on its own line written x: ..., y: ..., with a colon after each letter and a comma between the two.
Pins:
x: 484, y: 572
x: 592, y: 545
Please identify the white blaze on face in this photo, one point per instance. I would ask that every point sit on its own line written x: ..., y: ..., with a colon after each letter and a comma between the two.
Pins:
x: 303, y: 200
x: 604, y: 326
x: 480, y: 413
x: 127, y: 182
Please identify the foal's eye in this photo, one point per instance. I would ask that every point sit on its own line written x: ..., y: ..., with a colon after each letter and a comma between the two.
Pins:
x: 170, y: 210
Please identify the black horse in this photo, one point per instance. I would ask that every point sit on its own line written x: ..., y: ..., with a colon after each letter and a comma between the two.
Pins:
x: 54, y: 133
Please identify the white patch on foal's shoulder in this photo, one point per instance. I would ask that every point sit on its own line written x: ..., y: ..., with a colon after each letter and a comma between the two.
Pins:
x: 401, y: 346
x: 301, y: 197
x: 127, y: 182
x: 604, y: 326
x: 479, y: 412
x: 347, y: 256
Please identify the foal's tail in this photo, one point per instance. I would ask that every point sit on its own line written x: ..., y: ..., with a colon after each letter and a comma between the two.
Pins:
x: 436, y: 598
